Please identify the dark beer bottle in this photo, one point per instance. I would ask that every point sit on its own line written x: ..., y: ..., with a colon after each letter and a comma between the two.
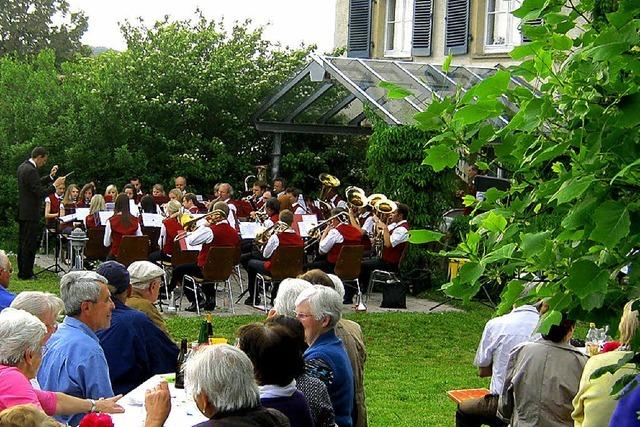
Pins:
x: 181, y: 359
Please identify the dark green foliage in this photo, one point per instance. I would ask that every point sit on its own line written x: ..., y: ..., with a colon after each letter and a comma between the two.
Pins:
x: 394, y: 160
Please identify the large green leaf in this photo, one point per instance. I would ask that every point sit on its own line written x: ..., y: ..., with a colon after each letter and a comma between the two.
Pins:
x: 494, y: 222
x: 470, y: 272
x: 549, y: 319
x: 503, y: 253
x: 394, y: 90
x: 585, y: 277
x: 572, y: 189
x: 533, y: 243
x: 612, y: 223
x: 474, y: 113
x: 418, y: 237
x: 509, y: 295
x: 440, y: 157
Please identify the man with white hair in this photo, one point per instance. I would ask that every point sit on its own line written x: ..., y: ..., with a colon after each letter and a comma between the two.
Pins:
x: 134, y: 347
x: 221, y: 381
x: 146, y: 280
x: 73, y: 361
x: 319, y: 309
x: 5, y: 276
x: 44, y: 305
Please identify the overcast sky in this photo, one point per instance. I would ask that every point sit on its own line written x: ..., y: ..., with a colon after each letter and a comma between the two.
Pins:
x: 290, y: 22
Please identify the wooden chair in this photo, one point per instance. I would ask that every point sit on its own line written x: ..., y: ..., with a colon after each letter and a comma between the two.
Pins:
x: 178, y: 257
x: 95, y: 250
x: 217, y: 269
x: 133, y: 248
x: 236, y: 273
x: 286, y: 262
x: 349, y: 264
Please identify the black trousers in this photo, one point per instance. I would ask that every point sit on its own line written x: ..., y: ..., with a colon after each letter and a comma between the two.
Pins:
x: 254, y: 267
x: 28, y: 242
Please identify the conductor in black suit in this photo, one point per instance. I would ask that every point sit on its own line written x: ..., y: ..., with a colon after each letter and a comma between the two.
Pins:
x: 32, y: 190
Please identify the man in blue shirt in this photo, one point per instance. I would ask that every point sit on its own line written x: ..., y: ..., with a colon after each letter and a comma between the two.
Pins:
x: 73, y: 361
x: 135, y: 348
x: 6, y: 297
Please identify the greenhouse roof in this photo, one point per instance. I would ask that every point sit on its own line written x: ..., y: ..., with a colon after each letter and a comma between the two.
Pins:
x: 329, y: 94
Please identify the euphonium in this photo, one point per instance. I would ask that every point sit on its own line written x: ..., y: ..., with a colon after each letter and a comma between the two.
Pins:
x: 314, y: 233
x: 189, y: 221
x: 356, y: 197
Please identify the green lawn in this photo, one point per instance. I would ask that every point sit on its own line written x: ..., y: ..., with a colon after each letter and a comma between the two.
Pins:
x: 413, y: 359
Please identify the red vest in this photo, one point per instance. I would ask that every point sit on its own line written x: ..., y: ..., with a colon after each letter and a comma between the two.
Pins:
x: 118, y: 230
x: 90, y: 221
x: 223, y: 235
x: 275, y: 218
x: 285, y: 239
x: 172, y: 227
x: 54, y: 208
x: 351, y: 236
x: 392, y: 254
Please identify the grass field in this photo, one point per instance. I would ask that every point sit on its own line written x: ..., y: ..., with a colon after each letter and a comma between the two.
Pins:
x: 413, y: 358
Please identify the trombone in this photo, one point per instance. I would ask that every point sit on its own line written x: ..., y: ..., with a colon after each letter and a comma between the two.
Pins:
x: 315, y: 232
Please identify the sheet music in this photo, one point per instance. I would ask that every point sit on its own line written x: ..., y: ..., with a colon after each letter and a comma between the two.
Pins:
x: 311, y: 219
x: 110, y: 206
x: 151, y: 219
x: 67, y: 218
x: 249, y: 230
x: 304, y: 228
x: 104, y: 216
x: 133, y: 208
x: 199, y: 198
x: 81, y: 214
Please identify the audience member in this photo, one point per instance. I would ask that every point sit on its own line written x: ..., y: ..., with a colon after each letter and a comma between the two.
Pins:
x: 625, y: 413
x: 314, y: 390
x: 134, y: 347
x: 26, y: 416
x: 43, y: 305
x: 220, y: 380
x: 146, y: 280
x: 6, y: 270
x: 501, y: 334
x: 594, y: 404
x: 73, y: 361
x: 542, y: 379
x: 22, y: 336
x: 319, y: 309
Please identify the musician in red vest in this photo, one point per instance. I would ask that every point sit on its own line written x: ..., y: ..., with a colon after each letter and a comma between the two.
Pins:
x: 217, y: 233
x: 96, y: 205
x: 333, y: 238
x: 122, y: 223
x: 283, y: 235
x: 396, y: 239
x: 52, y: 206
x: 190, y: 203
x: 169, y: 229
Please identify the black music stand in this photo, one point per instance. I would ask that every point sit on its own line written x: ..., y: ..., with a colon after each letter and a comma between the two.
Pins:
x: 57, y: 252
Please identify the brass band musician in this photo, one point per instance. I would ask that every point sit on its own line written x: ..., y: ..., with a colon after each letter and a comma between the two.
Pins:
x: 169, y: 229
x: 283, y: 235
x: 333, y: 238
x: 395, y: 238
x: 217, y: 232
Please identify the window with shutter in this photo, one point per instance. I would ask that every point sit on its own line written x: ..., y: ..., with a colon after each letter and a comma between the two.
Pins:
x: 399, y: 22
x: 456, y: 37
x: 502, y: 29
x: 359, y: 38
x: 422, y: 26
x: 532, y: 22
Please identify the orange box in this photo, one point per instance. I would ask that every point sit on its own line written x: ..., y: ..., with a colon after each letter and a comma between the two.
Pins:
x: 466, y: 394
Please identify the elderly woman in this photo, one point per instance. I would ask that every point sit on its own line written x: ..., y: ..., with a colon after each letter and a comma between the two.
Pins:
x: 220, y: 380
x: 319, y: 309
x: 26, y: 416
x: 594, y: 404
x: 22, y: 336
x: 45, y: 306
x: 542, y: 379
x: 146, y: 280
x: 277, y: 361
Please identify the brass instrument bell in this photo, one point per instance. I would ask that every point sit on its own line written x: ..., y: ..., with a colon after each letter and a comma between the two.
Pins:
x: 329, y: 180
x: 375, y: 198
x: 386, y: 206
x: 356, y: 196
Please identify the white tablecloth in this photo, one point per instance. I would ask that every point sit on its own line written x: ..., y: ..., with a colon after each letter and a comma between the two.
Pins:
x: 184, y: 412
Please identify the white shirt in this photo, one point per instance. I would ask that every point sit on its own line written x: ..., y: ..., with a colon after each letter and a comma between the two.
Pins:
x: 273, y: 243
x: 369, y: 225
x: 107, y: 234
x: 499, y: 337
x: 332, y: 237
x: 340, y: 204
x: 398, y: 234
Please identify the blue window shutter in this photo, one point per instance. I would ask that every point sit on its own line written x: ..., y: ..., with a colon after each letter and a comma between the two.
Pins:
x: 456, y: 37
x: 422, y: 28
x: 359, y: 38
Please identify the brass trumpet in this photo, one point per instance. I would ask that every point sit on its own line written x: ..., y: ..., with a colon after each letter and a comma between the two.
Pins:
x: 263, y: 237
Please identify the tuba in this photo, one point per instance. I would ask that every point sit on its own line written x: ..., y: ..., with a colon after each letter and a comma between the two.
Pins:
x: 329, y: 182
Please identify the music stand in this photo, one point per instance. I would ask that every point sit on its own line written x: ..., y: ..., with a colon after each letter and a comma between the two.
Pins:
x: 57, y: 252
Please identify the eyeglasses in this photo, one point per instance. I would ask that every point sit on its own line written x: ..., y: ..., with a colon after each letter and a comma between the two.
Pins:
x: 301, y: 316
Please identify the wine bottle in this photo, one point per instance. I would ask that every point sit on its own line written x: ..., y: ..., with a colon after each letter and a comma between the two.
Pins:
x: 181, y: 359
